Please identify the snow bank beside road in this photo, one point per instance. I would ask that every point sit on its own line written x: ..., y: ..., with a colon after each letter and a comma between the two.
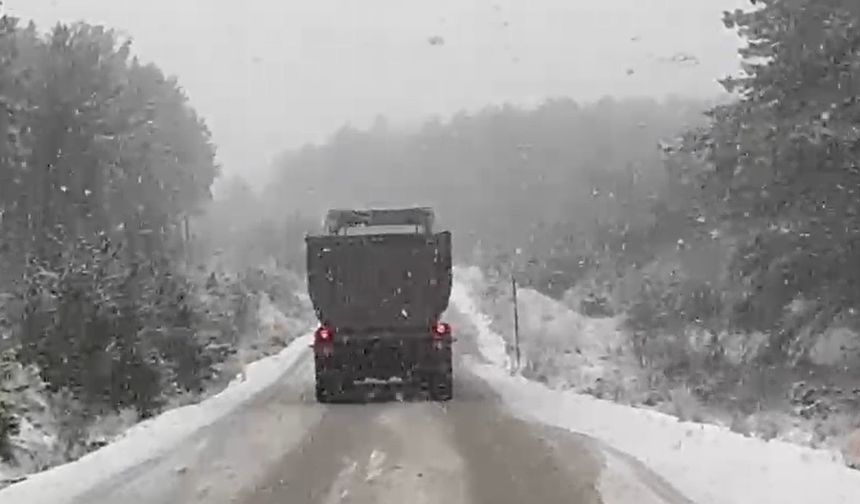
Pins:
x: 153, y: 437
x: 709, y: 464
x: 493, y: 348
x: 559, y: 346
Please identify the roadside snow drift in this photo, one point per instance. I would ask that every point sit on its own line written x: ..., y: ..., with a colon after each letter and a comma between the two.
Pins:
x: 493, y: 348
x: 153, y: 437
x: 559, y: 346
x: 707, y: 463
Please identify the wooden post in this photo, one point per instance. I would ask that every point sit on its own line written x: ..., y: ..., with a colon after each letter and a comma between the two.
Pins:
x: 516, y: 323
x: 186, y: 246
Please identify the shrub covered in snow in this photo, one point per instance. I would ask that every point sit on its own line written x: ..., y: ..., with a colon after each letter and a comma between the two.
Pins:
x: 195, y: 332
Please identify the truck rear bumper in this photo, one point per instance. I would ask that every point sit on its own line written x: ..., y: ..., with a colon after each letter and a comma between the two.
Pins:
x: 382, y: 358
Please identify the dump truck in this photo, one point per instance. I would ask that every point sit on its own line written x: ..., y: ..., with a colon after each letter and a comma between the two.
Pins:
x: 379, y: 281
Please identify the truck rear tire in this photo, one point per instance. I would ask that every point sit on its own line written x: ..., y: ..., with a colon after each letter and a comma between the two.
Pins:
x: 323, y: 395
x: 441, y: 387
x: 330, y: 388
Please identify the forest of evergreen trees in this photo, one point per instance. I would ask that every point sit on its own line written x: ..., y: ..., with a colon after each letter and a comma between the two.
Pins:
x: 102, y: 164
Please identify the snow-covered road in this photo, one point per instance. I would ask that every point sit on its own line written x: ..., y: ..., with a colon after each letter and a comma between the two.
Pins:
x: 502, y: 439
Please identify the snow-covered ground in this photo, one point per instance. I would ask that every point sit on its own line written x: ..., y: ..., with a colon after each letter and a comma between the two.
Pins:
x: 570, y: 351
x: 38, y: 443
x: 153, y: 437
x: 557, y: 344
x: 709, y: 464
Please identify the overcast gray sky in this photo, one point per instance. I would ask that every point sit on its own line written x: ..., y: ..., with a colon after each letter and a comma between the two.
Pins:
x: 274, y: 74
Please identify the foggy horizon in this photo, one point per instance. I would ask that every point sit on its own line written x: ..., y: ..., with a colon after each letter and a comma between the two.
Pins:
x: 303, y: 73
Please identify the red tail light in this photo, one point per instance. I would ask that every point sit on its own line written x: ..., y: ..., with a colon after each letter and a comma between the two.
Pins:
x: 441, y: 330
x: 323, y: 334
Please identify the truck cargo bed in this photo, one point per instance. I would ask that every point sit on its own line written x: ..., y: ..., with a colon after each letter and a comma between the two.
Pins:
x: 379, y: 281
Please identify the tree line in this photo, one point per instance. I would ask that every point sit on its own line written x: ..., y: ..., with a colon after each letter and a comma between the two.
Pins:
x: 502, y: 176
x: 780, y: 165
x: 102, y: 164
